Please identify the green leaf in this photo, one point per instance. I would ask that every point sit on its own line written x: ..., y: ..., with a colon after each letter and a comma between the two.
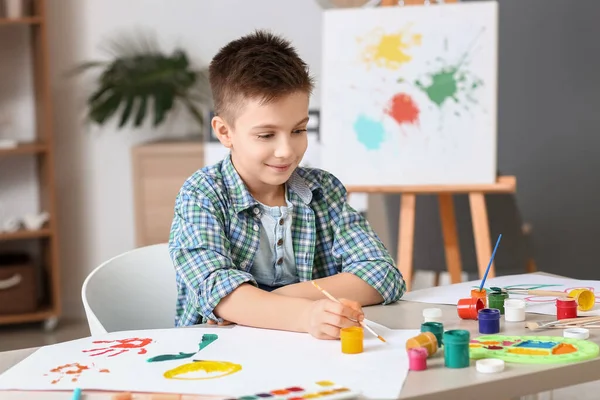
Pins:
x: 103, y: 109
x: 141, y: 112
x: 126, y: 111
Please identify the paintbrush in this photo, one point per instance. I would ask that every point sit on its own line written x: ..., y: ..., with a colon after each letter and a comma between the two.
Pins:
x: 563, y: 323
x: 490, y: 263
x: 362, y: 323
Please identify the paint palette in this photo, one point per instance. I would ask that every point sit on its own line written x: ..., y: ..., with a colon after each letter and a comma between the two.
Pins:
x: 322, y: 390
x: 533, y: 349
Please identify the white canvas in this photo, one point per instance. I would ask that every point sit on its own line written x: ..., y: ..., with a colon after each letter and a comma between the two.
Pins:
x: 409, y: 94
x: 450, y: 294
x: 268, y: 360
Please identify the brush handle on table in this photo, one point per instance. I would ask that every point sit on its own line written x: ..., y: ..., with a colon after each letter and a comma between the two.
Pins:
x: 550, y: 293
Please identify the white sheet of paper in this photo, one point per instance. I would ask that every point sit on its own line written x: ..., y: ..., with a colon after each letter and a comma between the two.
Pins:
x: 269, y: 360
x: 450, y: 294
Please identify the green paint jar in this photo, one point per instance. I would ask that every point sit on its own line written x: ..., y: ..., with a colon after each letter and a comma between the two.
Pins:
x: 496, y: 300
x: 456, y: 348
x: 436, y: 328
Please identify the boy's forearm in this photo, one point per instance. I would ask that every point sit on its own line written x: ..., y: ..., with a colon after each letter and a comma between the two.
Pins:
x: 342, y: 285
x: 250, y: 306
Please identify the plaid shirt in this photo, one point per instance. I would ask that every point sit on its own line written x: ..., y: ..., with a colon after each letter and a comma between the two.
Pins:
x: 215, y: 235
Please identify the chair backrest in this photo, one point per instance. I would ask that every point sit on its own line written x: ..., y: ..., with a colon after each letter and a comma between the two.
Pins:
x: 134, y: 290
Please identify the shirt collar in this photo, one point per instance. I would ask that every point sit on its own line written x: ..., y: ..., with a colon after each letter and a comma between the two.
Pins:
x: 300, y: 183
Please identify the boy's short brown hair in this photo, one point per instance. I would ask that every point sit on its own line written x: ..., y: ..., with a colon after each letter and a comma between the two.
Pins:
x: 260, y: 65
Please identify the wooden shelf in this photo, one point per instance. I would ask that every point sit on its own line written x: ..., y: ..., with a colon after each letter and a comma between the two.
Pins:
x: 22, y: 234
x: 24, y: 148
x: 21, y: 21
x: 39, y: 315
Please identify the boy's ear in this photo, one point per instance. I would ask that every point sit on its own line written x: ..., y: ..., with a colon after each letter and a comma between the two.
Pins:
x: 222, y: 131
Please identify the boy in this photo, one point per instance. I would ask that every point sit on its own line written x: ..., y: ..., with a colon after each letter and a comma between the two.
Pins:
x: 251, y: 232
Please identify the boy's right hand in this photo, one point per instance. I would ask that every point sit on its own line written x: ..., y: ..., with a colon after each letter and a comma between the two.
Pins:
x: 324, y: 318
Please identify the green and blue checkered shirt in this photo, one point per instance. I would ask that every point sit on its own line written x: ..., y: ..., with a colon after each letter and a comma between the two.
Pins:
x: 216, y: 230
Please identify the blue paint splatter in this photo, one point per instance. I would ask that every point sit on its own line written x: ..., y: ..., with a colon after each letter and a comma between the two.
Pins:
x: 369, y: 132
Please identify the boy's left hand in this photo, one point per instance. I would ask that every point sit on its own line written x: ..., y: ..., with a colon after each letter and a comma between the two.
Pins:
x: 224, y: 323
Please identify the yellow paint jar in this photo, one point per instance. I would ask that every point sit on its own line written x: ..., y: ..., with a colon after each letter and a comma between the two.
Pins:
x: 426, y: 340
x: 585, y: 298
x: 352, y: 340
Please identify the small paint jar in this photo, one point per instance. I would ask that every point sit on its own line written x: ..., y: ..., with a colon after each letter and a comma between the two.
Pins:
x: 566, y: 308
x: 586, y: 299
x: 469, y: 307
x: 432, y: 315
x: 436, y: 328
x: 456, y: 348
x: 496, y: 300
x: 477, y: 294
x: 417, y: 359
x: 489, y: 320
x: 352, y: 340
x: 426, y: 340
x: 514, y: 310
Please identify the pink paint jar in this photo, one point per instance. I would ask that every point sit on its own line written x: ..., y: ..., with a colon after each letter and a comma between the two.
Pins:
x: 417, y: 359
x: 566, y: 308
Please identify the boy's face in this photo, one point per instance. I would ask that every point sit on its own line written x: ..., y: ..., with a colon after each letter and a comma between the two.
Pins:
x: 267, y: 141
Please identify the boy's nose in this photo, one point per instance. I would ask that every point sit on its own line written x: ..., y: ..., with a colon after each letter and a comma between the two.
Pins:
x: 284, y: 150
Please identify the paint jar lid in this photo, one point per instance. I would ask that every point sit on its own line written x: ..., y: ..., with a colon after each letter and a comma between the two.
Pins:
x: 568, y: 302
x: 432, y: 313
x: 514, y: 303
x: 456, y: 336
x: 576, y: 333
x: 490, y: 365
x: 489, y: 314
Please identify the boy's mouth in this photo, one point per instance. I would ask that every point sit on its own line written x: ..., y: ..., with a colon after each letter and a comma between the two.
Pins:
x: 279, y: 167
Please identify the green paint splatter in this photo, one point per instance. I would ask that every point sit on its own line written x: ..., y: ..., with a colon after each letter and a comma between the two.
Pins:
x: 451, y: 82
x: 206, y: 340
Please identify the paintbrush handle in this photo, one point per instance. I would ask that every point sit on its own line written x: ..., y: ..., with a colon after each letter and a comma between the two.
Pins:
x: 550, y: 293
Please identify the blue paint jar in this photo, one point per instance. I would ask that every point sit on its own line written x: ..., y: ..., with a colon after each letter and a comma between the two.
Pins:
x: 489, y: 320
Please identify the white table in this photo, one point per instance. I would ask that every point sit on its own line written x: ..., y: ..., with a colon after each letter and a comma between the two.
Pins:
x: 437, y: 381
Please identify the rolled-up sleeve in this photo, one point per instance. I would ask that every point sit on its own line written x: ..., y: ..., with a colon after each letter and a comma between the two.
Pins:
x: 361, y: 251
x: 200, y: 251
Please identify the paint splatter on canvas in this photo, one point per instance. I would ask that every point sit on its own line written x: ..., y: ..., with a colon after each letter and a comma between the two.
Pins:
x: 72, y: 371
x: 411, y: 92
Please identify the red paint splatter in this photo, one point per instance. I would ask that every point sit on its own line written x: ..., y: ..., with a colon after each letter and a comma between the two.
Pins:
x: 403, y: 109
x: 74, y: 369
x: 121, y: 346
x: 494, y: 347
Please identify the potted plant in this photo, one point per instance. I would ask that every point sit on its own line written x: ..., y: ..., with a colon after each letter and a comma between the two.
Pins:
x: 142, y: 82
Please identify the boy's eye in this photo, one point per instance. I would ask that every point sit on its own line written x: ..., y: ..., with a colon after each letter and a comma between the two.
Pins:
x: 298, y: 130
x: 265, y: 136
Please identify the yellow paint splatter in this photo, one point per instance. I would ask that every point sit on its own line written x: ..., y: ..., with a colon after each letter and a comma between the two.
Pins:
x: 325, y: 383
x: 528, y: 352
x: 389, y: 50
x: 474, y: 345
x: 213, y: 369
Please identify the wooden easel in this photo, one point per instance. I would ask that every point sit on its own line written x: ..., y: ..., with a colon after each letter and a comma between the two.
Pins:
x: 481, y: 230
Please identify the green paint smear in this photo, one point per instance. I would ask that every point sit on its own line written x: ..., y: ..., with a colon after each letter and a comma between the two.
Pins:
x: 206, y: 340
x: 450, y: 81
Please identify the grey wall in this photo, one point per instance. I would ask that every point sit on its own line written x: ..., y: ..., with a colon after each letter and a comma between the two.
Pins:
x: 548, y: 136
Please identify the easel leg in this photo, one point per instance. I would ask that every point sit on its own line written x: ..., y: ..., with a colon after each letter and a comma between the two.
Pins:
x: 406, y: 237
x: 481, y: 233
x: 451, y: 249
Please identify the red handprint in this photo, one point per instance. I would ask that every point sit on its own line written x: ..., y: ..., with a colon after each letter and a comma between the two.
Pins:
x: 121, y: 346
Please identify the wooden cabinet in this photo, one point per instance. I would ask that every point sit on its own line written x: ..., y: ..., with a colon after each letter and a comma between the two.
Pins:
x: 42, y: 150
x: 159, y: 171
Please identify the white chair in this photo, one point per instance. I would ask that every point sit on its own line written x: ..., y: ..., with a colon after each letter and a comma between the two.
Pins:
x: 134, y: 290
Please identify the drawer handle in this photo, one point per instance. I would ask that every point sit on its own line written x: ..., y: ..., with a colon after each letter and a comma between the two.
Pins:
x: 10, y: 282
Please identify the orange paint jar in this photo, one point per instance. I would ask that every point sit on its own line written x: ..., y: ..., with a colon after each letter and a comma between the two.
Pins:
x: 469, y: 308
x: 352, y: 340
x: 427, y: 340
x: 476, y: 294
